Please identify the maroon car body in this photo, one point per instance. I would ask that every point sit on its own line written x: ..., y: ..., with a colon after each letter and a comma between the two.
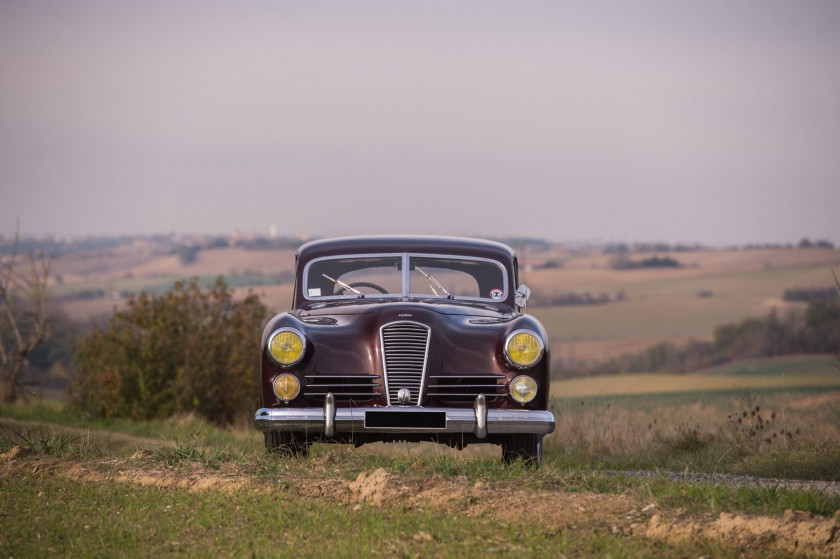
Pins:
x: 385, y: 352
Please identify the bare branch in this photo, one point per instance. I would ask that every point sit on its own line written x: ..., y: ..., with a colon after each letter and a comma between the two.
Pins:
x: 27, y: 280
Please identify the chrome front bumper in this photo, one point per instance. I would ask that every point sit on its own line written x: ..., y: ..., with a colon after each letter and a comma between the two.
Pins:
x: 330, y: 420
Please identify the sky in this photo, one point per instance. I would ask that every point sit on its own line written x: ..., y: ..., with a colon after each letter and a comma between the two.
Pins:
x: 706, y: 121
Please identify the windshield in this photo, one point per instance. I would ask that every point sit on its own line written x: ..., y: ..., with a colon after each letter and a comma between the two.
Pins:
x: 401, y: 275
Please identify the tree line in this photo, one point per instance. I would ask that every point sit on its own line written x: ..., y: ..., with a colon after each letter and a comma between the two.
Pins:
x: 816, y: 330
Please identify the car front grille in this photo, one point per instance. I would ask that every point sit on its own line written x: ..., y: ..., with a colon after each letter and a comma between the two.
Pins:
x: 343, y: 387
x: 405, y: 346
x: 465, y: 388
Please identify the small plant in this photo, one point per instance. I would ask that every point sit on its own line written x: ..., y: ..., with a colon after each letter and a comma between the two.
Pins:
x: 181, y: 453
x: 54, y: 443
x: 749, y: 427
x: 688, y: 439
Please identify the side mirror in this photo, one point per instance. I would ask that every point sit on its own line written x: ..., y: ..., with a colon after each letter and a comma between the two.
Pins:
x: 523, y: 293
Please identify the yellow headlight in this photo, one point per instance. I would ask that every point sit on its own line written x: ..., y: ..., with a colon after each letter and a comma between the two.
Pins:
x: 523, y: 389
x: 523, y: 348
x: 286, y: 346
x: 286, y: 387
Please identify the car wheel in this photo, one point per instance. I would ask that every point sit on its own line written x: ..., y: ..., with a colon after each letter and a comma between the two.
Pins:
x: 286, y: 444
x: 524, y: 446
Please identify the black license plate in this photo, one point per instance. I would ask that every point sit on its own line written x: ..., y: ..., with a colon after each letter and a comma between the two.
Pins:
x: 406, y: 419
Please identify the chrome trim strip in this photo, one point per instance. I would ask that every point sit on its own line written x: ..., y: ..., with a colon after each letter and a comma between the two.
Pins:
x: 462, y: 395
x: 466, y: 386
x: 350, y: 420
x: 455, y: 377
x: 343, y: 376
x: 359, y: 395
x: 343, y: 385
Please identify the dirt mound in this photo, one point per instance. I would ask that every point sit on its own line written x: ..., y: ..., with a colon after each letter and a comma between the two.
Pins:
x: 15, y: 453
x: 377, y: 488
x: 793, y: 531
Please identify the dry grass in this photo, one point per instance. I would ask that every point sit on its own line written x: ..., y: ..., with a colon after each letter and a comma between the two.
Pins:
x: 221, y: 261
x: 774, y: 433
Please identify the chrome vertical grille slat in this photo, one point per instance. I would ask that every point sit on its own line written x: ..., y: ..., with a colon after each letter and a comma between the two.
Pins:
x: 405, y: 348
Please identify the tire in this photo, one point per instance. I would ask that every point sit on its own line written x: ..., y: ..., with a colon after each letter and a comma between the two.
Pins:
x: 523, y: 446
x: 286, y: 444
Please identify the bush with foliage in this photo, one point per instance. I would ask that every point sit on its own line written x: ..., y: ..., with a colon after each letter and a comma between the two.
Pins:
x: 187, y: 350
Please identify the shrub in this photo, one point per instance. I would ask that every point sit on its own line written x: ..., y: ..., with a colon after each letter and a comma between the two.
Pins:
x: 187, y: 350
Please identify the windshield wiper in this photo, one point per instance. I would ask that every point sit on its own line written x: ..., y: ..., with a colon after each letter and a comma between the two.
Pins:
x: 345, y: 286
x: 433, y: 282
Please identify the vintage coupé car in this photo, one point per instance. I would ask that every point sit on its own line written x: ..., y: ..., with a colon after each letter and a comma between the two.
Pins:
x: 406, y: 339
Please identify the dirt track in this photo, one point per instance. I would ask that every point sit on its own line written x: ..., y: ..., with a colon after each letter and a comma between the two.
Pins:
x: 794, y: 532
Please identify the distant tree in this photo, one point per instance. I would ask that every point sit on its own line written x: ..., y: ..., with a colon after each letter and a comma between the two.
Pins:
x: 659, y: 262
x: 23, y: 312
x: 810, y: 293
x: 624, y: 262
x: 188, y: 254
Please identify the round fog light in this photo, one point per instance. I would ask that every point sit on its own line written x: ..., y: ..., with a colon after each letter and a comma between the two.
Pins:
x: 523, y: 389
x: 286, y: 387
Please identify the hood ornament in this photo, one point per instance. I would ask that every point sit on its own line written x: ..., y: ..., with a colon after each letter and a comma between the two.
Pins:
x: 404, y: 396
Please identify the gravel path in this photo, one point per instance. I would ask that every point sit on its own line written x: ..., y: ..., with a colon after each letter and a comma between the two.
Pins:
x: 827, y: 487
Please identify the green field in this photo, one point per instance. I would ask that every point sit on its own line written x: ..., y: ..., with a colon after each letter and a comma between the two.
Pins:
x: 787, y: 373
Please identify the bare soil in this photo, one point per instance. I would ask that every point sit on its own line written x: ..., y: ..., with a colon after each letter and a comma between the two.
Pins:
x: 792, y: 532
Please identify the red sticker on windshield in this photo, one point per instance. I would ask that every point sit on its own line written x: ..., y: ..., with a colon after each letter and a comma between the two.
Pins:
x: 496, y: 293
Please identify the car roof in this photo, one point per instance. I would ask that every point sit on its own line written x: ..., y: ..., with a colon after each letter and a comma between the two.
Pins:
x: 457, y: 246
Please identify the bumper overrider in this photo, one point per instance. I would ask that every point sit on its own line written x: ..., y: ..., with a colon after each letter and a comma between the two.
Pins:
x: 331, y: 420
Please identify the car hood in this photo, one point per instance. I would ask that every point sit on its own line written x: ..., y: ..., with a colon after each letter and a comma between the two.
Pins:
x: 357, y: 307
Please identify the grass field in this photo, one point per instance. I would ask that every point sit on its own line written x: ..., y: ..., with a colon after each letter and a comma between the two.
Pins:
x: 663, y: 304
x: 103, y: 488
x: 660, y: 306
x: 786, y: 373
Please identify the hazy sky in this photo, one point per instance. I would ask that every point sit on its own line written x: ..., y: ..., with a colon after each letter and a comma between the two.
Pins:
x: 708, y: 121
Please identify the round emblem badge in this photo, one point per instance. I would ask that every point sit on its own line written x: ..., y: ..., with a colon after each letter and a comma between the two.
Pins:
x: 496, y: 293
